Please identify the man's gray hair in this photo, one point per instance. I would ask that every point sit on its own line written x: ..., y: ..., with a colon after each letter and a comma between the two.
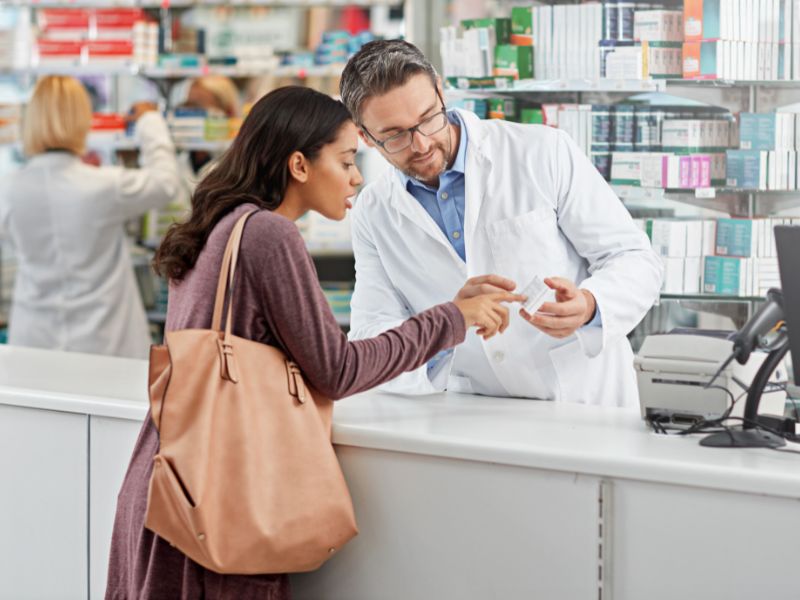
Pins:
x: 378, y: 68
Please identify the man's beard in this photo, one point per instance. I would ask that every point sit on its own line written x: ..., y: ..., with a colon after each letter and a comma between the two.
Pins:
x: 438, y: 149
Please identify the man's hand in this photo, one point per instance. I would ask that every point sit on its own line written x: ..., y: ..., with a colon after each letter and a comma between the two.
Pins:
x: 572, y: 309
x: 485, y: 284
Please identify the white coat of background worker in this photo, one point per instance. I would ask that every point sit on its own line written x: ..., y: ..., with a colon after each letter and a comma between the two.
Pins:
x: 479, y: 206
x: 75, y: 288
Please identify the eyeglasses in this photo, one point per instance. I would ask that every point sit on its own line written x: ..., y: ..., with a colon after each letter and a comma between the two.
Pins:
x: 400, y: 141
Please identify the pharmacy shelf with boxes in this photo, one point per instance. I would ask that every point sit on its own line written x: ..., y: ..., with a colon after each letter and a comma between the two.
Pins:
x: 629, y: 82
x: 748, y: 40
x: 234, y: 41
x: 721, y: 257
x: 134, y: 49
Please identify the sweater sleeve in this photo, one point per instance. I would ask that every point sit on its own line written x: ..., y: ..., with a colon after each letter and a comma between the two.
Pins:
x: 299, y: 316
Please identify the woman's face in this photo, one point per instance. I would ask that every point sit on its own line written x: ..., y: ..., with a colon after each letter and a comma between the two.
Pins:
x: 333, y: 177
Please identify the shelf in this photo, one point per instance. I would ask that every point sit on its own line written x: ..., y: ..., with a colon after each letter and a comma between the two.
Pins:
x: 606, y: 85
x: 79, y: 70
x: 156, y: 317
x: 319, y: 252
x: 710, y: 297
x: 75, y: 69
x: 152, y: 4
x: 735, y: 202
x: 238, y: 72
x: 122, y: 144
x: 342, y: 320
x: 130, y: 144
x: 564, y: 85
x: 731, y: 83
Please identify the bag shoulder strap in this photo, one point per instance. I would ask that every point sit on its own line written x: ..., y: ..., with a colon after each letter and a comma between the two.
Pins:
x: 226, y: 275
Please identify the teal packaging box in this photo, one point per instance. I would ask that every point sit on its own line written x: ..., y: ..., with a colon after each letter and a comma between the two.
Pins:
x: 722, y: 275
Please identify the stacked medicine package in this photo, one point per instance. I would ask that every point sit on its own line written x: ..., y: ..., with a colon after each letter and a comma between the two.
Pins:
x: 482, y: 49
x: 767, y: 158
x: 616, y: 40
x: 727, y: 257
x: 673, y: 147
x: 16, y: 37
x: 78, y: 36
x: 634, y: 143
x: 754, y: 40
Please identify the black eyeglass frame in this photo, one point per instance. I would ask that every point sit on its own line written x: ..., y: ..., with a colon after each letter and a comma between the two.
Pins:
x: 411, y: 130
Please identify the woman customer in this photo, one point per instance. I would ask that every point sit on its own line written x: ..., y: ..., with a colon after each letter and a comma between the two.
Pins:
x: 75, y: 287
x: 294, y: 153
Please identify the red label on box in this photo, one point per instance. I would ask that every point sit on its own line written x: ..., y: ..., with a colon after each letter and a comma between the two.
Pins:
x: 110, y: 48
x: 59, y: 48
x: 54, y: 18
x: 107, y: 121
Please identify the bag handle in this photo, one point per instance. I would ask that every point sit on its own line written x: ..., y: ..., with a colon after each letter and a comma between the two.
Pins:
x: 227, y: 361
x: 226, y: 273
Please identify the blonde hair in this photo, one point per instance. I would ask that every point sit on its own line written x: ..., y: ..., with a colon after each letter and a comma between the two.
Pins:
x: 224, y: 91
x: 58, y: 116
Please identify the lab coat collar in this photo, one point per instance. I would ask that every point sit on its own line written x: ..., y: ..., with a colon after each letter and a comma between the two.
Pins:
x: 476, y: 172
x: 56, y: 157
x: 476, y: 178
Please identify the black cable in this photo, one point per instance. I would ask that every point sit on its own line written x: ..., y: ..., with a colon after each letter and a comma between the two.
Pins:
x: 721, y: 369
x: 794, y: 404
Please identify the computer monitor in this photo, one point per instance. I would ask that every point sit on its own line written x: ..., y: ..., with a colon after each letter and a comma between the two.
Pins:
x: 787, y: 242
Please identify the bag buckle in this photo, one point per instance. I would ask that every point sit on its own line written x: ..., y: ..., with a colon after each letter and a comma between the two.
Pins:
x: 227, y: 361
x: 296, y: 386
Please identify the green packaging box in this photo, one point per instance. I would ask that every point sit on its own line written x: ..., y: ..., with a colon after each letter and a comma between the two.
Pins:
x: 531, y: 116
x: 502, y: 28
x: 502, y: 108
x: 513, y: 61
x: 480, y: 83
x: 522, y: 25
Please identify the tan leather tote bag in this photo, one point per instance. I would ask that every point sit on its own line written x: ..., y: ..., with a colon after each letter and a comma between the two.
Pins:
x: 246, y: 480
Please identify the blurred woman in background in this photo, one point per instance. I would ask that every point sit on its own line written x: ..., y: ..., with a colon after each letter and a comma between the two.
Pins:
x: 75, y: 287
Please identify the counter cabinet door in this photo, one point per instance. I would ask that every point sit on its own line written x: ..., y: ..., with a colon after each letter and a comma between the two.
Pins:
x: 672, y: 541
x: 112, y: 442
x: 43, y: 496
x: 434, y: 527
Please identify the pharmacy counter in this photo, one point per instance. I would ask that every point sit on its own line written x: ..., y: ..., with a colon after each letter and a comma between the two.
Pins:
x: 456, y: 496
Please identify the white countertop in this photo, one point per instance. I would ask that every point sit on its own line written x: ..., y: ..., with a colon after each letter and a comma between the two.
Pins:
x: 73, y: 382
x: 598, y: 441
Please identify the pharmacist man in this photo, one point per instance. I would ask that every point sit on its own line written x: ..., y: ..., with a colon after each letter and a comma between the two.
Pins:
x: 477, y: 206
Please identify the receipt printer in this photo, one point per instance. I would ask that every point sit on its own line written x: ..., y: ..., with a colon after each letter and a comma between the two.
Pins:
x: 672, y: 370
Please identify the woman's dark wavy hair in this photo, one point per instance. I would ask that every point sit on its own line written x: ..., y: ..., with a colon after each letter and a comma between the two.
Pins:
x: 254, y: 169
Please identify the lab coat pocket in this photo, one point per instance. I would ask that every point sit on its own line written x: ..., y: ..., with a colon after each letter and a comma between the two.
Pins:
x: 528, y: 245
x: 572, y: 367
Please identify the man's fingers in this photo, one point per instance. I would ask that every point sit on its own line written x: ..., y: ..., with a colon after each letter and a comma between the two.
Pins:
x: 557, y: 323
x: 561, y: 309
x: 561, y: 285
x: 495, y: 280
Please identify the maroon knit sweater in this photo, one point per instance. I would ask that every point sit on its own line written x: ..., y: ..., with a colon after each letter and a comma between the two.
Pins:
x: 277, y: 301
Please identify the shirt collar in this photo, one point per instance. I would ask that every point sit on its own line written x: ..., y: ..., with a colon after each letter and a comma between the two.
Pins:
x: 461, y: 156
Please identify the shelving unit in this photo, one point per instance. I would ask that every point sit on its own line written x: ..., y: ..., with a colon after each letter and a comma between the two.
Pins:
x: 734, y: 202
x: 721, y: 200
x: 333, y: 263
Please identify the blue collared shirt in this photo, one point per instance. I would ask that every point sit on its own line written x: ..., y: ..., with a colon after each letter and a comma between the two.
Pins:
x: 446, y: 204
